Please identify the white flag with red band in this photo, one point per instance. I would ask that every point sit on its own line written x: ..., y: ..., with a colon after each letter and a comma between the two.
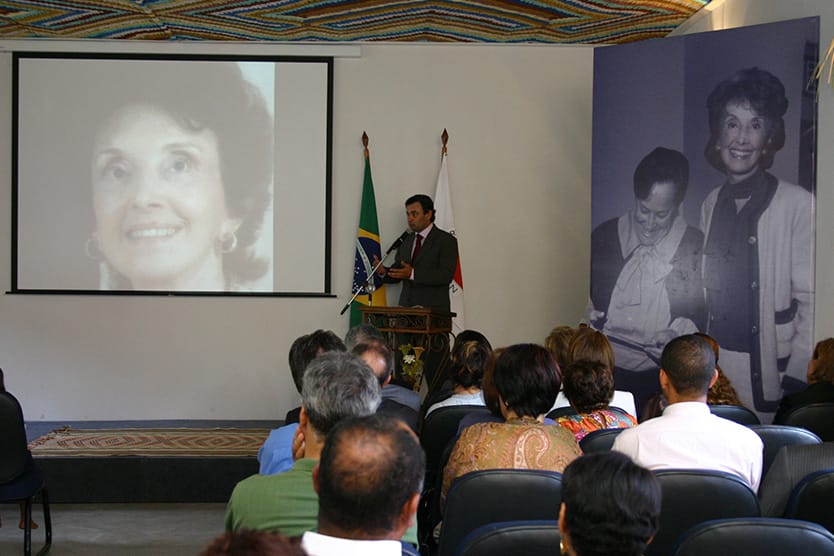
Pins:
x: 445, y: 220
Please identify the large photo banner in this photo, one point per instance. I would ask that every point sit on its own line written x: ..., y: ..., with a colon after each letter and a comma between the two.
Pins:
x: 703, y: 204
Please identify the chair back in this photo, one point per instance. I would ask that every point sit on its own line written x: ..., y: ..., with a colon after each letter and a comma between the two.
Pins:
x: 599, y: 441
x: 816, y: 417
x: 737, y: 413
x: 692, y: 496
x: 512, y: 538
x: 774, y: 437
x: 13, y: 450
x: 811, y: 499
x: 493, y: 495
x: 439, y: 427
x: 763, y: 536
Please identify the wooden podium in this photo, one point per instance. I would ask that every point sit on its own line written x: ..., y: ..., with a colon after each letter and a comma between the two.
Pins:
x: 419, y: 326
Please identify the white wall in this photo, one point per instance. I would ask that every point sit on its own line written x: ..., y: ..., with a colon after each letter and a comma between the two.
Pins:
x: 727, y: 14
x: 519, y: 119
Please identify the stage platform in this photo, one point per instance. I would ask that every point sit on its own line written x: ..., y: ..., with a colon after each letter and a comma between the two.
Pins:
x: 146, y: 461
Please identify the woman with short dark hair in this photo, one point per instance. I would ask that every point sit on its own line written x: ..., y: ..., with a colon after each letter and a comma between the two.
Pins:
x: 527, y: 380
x: 610, y: 506
x: 468, y: 360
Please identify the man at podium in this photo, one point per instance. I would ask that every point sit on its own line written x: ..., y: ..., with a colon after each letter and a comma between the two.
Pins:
x: 426, y: 260
x: 425, y: 265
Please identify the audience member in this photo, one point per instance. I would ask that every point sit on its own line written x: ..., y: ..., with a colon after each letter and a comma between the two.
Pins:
x: 275, y: 456
x: 29, y: 461
x: 792, y: 464
x: 468, y: 361
x: 336, y: 385
x: 248, y: 542
x: 368, y: 333
x: 527, y: 380
x: 558, y: 343
x: 369, y: 481
x: 589, y: 387
x: 687, y: 435
x: 588, y: 344
x: 820, y: 382
x: 363, y: 334
x: 610, y: 506
x: 381, y: 361
x: 720, y: 393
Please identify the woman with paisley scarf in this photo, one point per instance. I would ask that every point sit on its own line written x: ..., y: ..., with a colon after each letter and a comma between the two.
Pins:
x: 758, y: 265
x: 646, y: 273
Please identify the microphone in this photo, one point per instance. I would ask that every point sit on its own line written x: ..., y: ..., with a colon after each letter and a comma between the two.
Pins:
x: 399, y: 241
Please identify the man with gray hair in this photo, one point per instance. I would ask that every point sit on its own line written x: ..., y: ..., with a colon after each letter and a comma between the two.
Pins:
x: 336, y: 386
x: 688, y: 435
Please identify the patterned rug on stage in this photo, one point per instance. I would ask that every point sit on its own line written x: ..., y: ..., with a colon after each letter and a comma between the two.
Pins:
x: 169, y: 442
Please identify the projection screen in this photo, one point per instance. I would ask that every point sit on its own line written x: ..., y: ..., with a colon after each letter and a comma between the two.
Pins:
x: 175, y: 174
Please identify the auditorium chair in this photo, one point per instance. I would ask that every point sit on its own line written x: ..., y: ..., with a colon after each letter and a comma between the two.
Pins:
x: 439, y: 427
x: 20, y: 478
x: 512, y: 538
x: 762, y: 536
x: 493, y: 495
x: 812, y: 499
x: 736, y: 413
x: 599, y: 441
x: 692, y: 496
x: 816, y: 417
x: 775, y: 437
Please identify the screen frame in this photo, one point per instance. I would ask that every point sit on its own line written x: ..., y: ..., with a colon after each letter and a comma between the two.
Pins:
x: 18, y: 56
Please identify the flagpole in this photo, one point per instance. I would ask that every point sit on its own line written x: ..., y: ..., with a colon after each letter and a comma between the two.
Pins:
x: 369, y: 279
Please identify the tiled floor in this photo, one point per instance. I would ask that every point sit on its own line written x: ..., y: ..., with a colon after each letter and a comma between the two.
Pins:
x: 116, y: 529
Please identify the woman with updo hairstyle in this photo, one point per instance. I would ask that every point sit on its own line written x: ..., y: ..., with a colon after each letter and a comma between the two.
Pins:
x: 589, y: 387
x: 610, y: 506
x: 758, y: 250
x: 469, y: 358
x: 820, y: 381
x: 527, y: 381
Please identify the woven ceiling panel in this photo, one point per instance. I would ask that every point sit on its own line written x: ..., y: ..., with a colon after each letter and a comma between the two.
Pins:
x: 565, y: 21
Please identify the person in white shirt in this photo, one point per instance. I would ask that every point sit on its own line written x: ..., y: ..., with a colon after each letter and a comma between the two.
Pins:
x: 369, y: 480
x: 687, y: 435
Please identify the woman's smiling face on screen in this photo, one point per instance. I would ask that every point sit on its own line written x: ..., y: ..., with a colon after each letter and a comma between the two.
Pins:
x: 159, y: 201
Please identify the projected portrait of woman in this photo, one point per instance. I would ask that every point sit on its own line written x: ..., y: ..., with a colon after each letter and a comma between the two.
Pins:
x: 180, y: 169
x: 646, y: 266
x: 758, y: 252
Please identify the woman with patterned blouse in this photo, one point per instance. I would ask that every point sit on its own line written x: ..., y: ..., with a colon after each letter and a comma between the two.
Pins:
x: 527, y: 380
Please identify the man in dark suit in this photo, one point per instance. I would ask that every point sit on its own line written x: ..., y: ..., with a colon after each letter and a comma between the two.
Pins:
x: 426, y: 260
x: 426, y: 263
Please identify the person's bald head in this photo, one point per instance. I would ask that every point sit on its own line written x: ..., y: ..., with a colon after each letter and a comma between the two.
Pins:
x: 369, y: 478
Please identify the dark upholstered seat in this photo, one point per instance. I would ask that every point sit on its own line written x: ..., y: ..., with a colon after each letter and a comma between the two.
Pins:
x: 775, y: 437
x: 763, y: 536
x: 493, y: 495
x: 812, y: 499
x: 693, y: 496
x: 816, y: 417
x: 512, y: 538
x: 737, y: 413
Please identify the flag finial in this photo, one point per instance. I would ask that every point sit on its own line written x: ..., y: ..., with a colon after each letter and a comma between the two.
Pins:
x: 445, y: 137
x: 365, y: 143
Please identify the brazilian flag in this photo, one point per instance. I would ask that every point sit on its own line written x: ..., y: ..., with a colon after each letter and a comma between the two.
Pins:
x: 367, y: 245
